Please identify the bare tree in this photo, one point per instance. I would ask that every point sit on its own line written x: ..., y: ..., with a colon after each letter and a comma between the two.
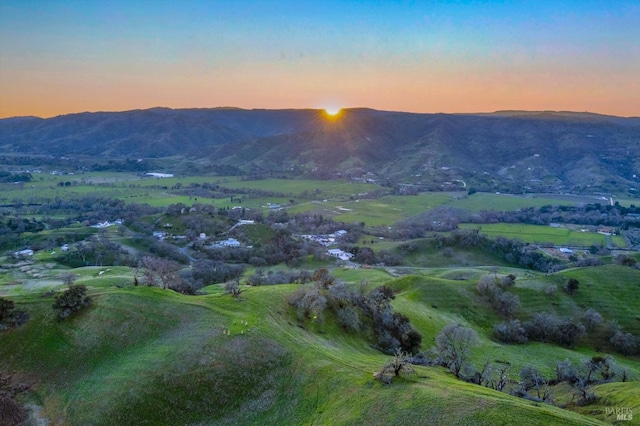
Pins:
x: 68, y: 278
x: 591, y: 319
x: 454, y: 344
x: 233, y: 288
x: 160, y: 272
x: 401, y: 363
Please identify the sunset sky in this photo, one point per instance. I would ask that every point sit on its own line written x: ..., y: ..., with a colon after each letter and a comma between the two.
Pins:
x: 58, y: 57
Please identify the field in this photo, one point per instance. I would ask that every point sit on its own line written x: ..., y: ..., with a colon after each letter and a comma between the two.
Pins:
x: 545, y: 234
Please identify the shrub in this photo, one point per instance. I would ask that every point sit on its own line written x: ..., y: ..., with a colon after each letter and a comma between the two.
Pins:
x: 71, y: 300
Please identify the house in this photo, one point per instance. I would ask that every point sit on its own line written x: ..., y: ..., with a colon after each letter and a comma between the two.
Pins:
x: 159, y: 175
x: 340, y: 254
x: 606, y: 231
x: 23, y: 253
x: 229, y: 242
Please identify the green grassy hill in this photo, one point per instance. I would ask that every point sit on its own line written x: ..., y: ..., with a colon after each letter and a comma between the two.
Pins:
x: 141, y: 355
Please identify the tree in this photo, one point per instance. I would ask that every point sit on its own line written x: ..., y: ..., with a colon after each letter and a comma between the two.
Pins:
x: 160, y: 272
x: 591, y: 319
x: 624, y: 343
x: 233, y: 288
x: 625, y: 260
x: 530, y: 378
x: 68, y: 278
x: 506, y: 304
x: 568, y: 333
x: 71, y: 300
x: 323, y: 277
x: 508, y: 281
x: 571, y: 286
x: 401, y: 363
x: 510, y: 332
x: 566, y: 372
x: 6, y: 309
x: 9, y: 316
x: 453, y: 345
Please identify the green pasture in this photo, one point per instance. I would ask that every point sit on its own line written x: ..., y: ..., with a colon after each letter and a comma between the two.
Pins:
x: 543, y: 234
x: 383, y: 211
x: 143, y: 355
x: 507, y: 202
x: 287, y: 186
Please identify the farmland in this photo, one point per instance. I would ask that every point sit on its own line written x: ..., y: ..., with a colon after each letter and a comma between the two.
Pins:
x: 545, y: 234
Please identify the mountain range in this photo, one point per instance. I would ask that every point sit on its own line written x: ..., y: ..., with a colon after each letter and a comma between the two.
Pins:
x: 509, y: 150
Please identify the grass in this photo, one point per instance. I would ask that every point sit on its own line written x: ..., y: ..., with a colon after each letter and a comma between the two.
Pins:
x: 543, y: 234
x: 145, y: 355
x: 485, y: 200
x: 382, y: 211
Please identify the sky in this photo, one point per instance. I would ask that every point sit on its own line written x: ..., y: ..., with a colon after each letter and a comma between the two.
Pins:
x: 66, y: 56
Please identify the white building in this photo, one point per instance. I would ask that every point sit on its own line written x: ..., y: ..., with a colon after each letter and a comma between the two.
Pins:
x: 23, y: 253
x: 229, y: 242
x: 340, y: 254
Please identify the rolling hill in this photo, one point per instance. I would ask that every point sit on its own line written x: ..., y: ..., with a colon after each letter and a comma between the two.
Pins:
x: 142, y: 355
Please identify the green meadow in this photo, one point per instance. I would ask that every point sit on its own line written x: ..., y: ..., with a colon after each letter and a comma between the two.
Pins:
x: 489, y: 201
x: 144, y: 355
x: 544, y: 234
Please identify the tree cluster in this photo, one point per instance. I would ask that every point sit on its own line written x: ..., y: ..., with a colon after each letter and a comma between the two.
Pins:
x: 504, y: 302
x: 357, y: 310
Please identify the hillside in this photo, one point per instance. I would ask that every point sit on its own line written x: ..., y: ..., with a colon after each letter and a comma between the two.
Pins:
x: 144, y: 355
x: 512, y: 150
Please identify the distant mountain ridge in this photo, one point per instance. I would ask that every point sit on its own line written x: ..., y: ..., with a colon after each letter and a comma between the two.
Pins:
x: 524, y: 149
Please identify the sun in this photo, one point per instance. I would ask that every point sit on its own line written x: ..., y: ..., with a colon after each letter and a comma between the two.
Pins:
x: 332, y: 110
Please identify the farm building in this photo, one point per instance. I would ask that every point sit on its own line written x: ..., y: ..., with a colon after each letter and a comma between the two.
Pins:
x: 340, y: 254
